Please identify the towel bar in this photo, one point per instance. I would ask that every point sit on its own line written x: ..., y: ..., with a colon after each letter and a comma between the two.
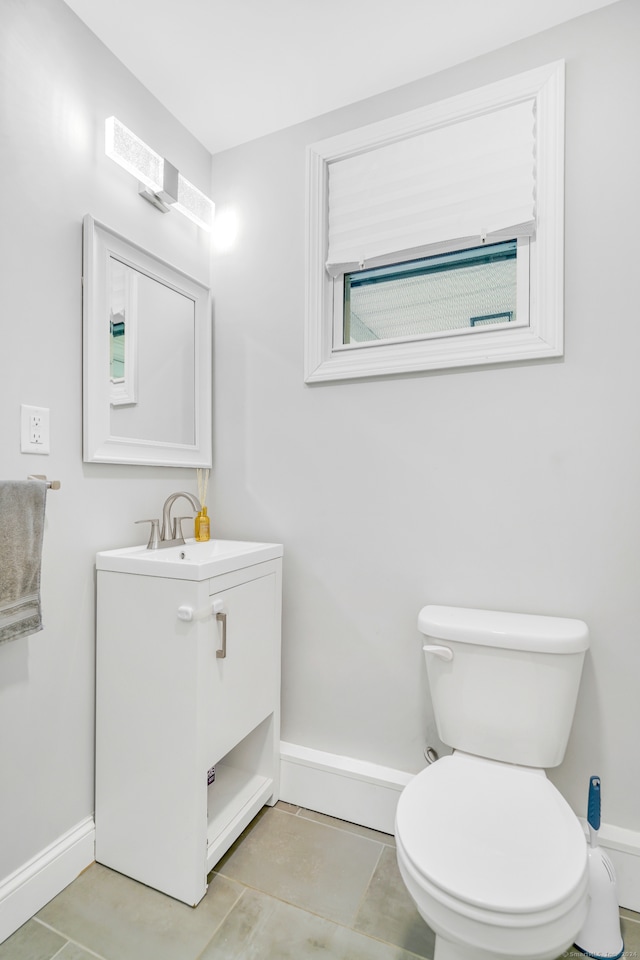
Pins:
x: 51, y: 484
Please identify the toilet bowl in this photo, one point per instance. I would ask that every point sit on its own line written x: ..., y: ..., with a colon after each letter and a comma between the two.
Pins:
x: 494, y: 859
x: 492, y: 855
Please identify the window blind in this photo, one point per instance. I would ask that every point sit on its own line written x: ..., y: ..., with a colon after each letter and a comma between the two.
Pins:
x: 470, y: 180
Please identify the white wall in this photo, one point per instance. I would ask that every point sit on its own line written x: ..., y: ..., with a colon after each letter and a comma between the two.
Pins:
x: 509, y: 487
x: 57, y: 86
x: 514, y: 487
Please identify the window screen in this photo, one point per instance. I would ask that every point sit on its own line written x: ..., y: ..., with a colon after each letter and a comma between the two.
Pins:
x: 465, y: 290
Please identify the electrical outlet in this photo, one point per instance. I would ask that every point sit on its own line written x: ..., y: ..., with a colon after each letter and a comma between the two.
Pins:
x: 34, y: 429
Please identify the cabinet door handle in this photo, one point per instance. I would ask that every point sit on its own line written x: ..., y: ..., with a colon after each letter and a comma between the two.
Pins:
x: 222, y: 652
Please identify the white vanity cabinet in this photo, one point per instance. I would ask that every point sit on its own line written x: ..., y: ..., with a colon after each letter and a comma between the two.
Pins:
x: 172, y: 705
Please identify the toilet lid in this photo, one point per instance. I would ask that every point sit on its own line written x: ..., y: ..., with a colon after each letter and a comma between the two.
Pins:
x: 491, y: 834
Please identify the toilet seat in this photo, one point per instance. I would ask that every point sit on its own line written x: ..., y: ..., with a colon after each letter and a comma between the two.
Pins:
x: 493, y: 836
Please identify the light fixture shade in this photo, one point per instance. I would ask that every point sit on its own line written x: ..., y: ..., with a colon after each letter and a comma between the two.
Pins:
x: 133, y: 154
x: 166, y: 187
x: 194, y: 204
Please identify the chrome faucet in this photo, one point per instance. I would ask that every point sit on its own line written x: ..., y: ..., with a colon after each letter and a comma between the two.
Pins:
x: 170, y: 535
x: 171, y: 531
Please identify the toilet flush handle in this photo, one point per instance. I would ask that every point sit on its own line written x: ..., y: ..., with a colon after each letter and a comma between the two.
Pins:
x: 445, y: 653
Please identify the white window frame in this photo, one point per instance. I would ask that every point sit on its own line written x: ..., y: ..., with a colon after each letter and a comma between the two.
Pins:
x: 327, y: 358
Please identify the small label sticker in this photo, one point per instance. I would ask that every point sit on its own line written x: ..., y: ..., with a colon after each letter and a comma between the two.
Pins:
x: 211, y: 775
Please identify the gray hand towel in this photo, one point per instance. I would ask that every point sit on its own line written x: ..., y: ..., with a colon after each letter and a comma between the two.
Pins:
x: 22, y: 504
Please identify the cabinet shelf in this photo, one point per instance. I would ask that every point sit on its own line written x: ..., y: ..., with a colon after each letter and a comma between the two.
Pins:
x: 233, y: 800
x: 245, y: 779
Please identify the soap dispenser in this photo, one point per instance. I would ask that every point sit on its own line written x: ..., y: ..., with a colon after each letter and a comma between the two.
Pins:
x: 202, y: 526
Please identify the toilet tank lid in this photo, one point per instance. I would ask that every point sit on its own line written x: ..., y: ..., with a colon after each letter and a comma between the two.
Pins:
x: 510, y: 631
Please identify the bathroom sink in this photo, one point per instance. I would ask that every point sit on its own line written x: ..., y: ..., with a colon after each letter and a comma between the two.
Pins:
x: 189, y: 561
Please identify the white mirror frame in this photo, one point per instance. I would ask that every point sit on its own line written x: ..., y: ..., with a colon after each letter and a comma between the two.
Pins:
x: 543, y: 337
x: 99, y: 446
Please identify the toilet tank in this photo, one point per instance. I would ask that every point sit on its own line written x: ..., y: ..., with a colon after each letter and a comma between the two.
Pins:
x: 503, y: 685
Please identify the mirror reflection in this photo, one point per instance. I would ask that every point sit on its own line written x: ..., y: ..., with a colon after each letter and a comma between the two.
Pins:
x: 121, y: 321
x: 152, y: 358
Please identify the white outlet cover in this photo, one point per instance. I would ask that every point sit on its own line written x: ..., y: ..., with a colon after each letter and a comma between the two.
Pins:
x: 27, y: 445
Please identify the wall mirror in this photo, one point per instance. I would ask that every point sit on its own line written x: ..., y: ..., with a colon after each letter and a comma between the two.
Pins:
x: 147, y: 356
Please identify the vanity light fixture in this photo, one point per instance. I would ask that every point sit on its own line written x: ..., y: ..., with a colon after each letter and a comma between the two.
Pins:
x: 160, y: 182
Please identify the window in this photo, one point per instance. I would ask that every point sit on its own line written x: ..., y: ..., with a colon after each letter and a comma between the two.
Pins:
x: 435, y: 237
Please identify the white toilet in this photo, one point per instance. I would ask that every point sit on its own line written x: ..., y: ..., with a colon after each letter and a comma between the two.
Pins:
x: 492, y: 855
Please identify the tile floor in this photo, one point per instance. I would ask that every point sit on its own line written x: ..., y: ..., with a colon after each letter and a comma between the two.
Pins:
x: 297, y: 885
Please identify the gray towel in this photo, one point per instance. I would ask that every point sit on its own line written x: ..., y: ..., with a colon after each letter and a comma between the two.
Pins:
x: 22, y: 504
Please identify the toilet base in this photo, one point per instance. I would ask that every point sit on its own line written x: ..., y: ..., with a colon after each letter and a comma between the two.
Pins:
x: 446, y: 950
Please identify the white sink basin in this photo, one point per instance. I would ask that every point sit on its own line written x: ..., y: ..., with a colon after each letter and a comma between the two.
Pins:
x: 191, y: 561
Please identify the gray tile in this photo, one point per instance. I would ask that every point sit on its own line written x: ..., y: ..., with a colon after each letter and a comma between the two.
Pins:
x: 631, y: 936
x: 387, y: 838
x: 388, y: 912
x: 262, y: 928
x: 123, y: 920
x: 305, y: 863
x: 73, y: 952
x: 32, y: 942
x: 289, y: 807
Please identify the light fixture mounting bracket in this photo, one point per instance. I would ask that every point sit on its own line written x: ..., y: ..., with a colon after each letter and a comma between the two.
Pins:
x: 153, y: 198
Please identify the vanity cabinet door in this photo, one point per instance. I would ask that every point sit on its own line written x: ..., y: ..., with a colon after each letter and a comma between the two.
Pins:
x: 243, y: 663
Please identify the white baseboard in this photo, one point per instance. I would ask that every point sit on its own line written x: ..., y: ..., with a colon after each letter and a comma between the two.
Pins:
x: 367, y: 793
x: 343, y: 787
x: 30, y: 887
